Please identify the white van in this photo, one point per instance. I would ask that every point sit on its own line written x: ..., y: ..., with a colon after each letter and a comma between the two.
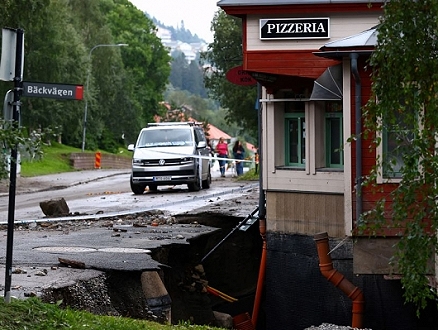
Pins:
x: 170, y: 154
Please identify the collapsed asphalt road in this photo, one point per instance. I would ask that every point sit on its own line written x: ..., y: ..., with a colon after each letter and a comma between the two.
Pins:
x: 108, y: 242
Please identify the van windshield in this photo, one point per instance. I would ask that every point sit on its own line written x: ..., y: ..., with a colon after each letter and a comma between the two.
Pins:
x: 165, y: 138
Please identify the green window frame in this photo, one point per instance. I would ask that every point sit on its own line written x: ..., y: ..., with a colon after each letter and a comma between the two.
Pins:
x: 295, y: 139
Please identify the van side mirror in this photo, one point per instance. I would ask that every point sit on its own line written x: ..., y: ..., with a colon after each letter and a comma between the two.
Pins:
x: 131, y: 147
x: 202, y: 144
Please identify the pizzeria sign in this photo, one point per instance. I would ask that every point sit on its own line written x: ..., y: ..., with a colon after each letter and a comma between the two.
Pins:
x: 294, y: 28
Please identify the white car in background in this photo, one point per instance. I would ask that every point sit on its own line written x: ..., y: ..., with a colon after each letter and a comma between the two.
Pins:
x: 170, y: 154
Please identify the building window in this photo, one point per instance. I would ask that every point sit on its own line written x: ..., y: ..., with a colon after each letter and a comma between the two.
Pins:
x: 334, y: 135
x: 396, y: 139
x: 295, y: 140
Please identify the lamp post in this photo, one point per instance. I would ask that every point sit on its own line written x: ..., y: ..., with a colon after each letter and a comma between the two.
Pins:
x: 86, y: 88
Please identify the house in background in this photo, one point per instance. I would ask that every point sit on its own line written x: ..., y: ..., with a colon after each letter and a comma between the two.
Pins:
x: 213, y: 133
x: 310, y: 57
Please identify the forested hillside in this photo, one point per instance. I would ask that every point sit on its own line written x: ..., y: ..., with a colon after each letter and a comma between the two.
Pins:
x: 112, y: 50
x: 186, y: 92
x: 75, y: 42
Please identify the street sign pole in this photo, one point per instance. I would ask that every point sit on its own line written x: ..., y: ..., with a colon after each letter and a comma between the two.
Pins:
x: 13, y: 164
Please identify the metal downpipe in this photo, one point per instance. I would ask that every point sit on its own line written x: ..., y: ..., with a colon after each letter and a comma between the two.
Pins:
x: 358, y: 133
x: 339, y: 280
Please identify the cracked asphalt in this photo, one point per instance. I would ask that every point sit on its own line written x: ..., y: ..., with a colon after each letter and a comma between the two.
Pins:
x: 103, y: 242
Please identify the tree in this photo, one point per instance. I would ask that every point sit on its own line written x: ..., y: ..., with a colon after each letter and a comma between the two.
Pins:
x: 126, y: 84
x: 186, y: 76
x: 178, y: 67
x: 146, y: 62
x: 404, y: 102
x: 102, y: 65
x: 192, y: 79
x: 45, y: 61
x: 224, y: 53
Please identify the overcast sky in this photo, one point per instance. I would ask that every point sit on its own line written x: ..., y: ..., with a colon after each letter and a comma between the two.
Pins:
x: 196, y: 14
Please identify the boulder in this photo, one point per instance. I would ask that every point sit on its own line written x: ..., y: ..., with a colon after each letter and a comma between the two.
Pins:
x: 223, y: 320
x: 55, y: 207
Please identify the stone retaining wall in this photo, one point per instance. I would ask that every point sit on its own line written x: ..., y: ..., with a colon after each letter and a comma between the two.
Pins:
x: 87, y: 161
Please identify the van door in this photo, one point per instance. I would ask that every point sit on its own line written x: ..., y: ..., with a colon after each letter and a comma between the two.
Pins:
x: 200, y: 136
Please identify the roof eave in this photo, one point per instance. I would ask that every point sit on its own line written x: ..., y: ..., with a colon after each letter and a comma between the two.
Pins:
x: 339, y: 54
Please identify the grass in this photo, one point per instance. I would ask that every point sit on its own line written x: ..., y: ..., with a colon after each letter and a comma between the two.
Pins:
x: 249, y: 175
x: 56, y: 159
x: 33, y: 314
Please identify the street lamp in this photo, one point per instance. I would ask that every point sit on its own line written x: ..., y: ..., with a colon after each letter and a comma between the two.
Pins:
x: 86, y: 88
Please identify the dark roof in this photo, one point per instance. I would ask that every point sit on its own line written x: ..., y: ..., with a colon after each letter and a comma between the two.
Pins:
x: 289, y: 2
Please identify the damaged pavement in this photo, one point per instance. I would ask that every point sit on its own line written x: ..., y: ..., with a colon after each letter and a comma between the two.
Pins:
x: 106, y: 264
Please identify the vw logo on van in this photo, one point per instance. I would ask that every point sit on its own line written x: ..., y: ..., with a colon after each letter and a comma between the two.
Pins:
x: 161, y: 162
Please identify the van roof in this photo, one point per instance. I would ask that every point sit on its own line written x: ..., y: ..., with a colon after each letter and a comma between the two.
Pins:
x: 174, y: 124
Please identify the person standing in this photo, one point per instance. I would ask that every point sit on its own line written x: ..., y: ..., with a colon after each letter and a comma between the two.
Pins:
x: 256, y: 160
x: 222, y: 153
x: 239, y: 153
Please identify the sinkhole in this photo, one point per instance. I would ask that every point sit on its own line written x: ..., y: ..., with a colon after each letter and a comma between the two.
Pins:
x: 230, y: 264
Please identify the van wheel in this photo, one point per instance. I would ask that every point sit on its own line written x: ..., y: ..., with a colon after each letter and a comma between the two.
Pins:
x: 137, y: 189
x: 206, y: 183
x: 195, y: 186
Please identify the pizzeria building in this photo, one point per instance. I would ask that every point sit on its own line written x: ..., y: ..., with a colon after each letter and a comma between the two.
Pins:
x: 310, y: 58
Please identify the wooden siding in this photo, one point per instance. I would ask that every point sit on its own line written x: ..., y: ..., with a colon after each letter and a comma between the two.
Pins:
x: 302, y: 63
x: 369, y: 194
x: 303, y: 9
x: 341, y: 26
x: 298, y: 180
x: 308, y: 179
x: 305, y: 214
x: 296, y: 57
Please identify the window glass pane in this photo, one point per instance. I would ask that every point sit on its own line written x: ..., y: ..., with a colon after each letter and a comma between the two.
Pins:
x: 393, y: 156
x: 165, y: 138
x: 335, y: 139
x: 294, y: 140
x: 334, y: 135
x: 397, y: 139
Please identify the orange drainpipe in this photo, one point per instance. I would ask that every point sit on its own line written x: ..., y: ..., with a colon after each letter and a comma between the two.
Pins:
x: 245, y: 321
x: 262, y: 272
x: 339, y: 280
